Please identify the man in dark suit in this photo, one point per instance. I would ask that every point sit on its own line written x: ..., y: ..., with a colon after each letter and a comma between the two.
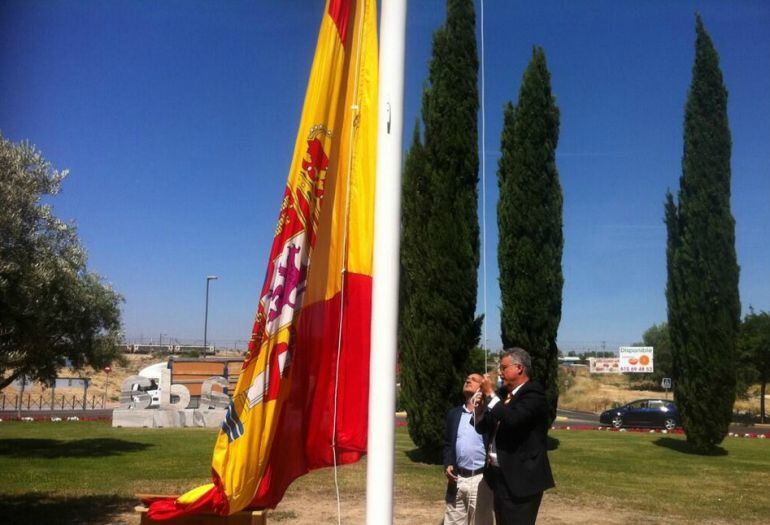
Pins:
x: 518, y: 470
x: 468, y: 497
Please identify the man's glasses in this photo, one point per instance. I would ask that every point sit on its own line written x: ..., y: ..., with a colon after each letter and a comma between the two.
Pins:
x: 503, y: 367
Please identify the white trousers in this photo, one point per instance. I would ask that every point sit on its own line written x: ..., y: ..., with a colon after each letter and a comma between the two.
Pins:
x: 471, y: 504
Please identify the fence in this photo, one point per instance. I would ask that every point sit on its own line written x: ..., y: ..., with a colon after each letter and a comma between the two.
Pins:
x: 49, y: 402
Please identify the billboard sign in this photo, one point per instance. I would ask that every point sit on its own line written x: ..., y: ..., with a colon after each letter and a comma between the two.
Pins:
x: 604, y: 365
x: 636, y: 359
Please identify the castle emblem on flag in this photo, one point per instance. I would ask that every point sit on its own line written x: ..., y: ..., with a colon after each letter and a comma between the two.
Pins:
x: 292, y: 286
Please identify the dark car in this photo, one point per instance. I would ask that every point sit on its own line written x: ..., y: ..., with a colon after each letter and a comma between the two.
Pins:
x: 653, y: 413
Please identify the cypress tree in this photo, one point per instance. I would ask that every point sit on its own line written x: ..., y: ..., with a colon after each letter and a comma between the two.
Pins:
x: 702, y: 289
x: 529, y: 217
x: 440, y: 235
x: 423, y: 363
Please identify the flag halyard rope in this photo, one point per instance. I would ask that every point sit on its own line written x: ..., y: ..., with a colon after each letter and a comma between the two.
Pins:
x: 484, y: 197
x: 354, y: 109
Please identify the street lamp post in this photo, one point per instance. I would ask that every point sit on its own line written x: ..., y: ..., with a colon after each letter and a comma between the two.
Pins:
x: 206, y: 317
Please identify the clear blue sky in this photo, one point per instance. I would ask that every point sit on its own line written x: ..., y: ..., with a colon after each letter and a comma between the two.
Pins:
x: 177, y: 120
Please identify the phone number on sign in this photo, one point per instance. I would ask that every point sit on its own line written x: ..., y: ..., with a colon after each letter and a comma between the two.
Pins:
x: 641, y: 369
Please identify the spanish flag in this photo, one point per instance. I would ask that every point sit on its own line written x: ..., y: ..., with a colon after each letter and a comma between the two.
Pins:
x: 301, y: 401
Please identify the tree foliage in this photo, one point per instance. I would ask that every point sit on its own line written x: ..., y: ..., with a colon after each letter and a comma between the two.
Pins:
x: 529, y: 216
x: 754, y: 347
x: 52, y: 309
x: 702, y: 288
x: 477, y: 362
x: 440, y: 235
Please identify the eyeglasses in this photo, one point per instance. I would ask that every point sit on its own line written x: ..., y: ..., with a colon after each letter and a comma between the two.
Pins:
x: 503, y: 367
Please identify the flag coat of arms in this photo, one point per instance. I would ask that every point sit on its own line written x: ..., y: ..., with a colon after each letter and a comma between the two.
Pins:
x: 301, y: 401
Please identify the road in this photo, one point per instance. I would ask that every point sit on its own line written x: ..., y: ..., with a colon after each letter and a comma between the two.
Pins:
x: 563, y: 418
x: 574, y: 417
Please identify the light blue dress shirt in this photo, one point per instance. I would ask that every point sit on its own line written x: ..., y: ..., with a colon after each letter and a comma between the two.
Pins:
x: 469, y: 448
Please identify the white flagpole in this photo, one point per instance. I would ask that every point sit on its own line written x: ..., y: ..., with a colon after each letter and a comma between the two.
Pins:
x: 387, y: 232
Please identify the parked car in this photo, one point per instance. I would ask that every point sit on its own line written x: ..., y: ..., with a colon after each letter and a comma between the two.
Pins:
x: 654, y: 413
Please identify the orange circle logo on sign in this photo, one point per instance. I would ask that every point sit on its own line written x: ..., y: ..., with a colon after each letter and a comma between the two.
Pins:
x: 644, y: 360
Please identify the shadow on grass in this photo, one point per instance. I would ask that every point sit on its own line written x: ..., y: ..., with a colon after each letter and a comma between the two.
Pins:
x: 18, y: 509
x: 76, y: 448
x: 419, y: 456
x: 680, y: 445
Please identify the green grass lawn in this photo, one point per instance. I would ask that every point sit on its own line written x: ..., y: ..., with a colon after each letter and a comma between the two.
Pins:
x: 86, y: 472
x: 658, y: 474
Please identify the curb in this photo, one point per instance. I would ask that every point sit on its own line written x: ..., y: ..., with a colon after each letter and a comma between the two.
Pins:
x: 677, y: 431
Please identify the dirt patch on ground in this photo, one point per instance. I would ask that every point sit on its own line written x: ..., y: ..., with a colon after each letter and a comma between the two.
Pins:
x: 555, y: 510
x: 298, y: 509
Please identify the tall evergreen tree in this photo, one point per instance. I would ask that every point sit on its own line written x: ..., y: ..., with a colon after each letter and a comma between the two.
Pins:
x: 423, y: 363
x: 440, y: 235
x: 702, y: 289
x: 529, y: 217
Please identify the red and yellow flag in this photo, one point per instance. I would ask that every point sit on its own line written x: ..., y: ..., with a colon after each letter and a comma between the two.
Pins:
x: 302, y: 398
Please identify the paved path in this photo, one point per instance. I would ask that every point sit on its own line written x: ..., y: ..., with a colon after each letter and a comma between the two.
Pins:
x: 45, y: 414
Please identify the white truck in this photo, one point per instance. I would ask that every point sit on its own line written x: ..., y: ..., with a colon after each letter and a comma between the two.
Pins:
x: 152, y: 373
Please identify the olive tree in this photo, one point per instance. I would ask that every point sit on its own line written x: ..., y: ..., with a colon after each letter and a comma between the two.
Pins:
x: 52, y: 309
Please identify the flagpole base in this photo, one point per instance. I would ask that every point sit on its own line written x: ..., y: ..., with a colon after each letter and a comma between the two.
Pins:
x: 245, y: 517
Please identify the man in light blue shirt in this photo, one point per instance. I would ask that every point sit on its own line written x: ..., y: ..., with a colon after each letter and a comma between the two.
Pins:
x: 468, y: 497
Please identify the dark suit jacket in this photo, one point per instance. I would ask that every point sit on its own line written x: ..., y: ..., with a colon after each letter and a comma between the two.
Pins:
x: 450, y: 435
x: 521, y: 440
